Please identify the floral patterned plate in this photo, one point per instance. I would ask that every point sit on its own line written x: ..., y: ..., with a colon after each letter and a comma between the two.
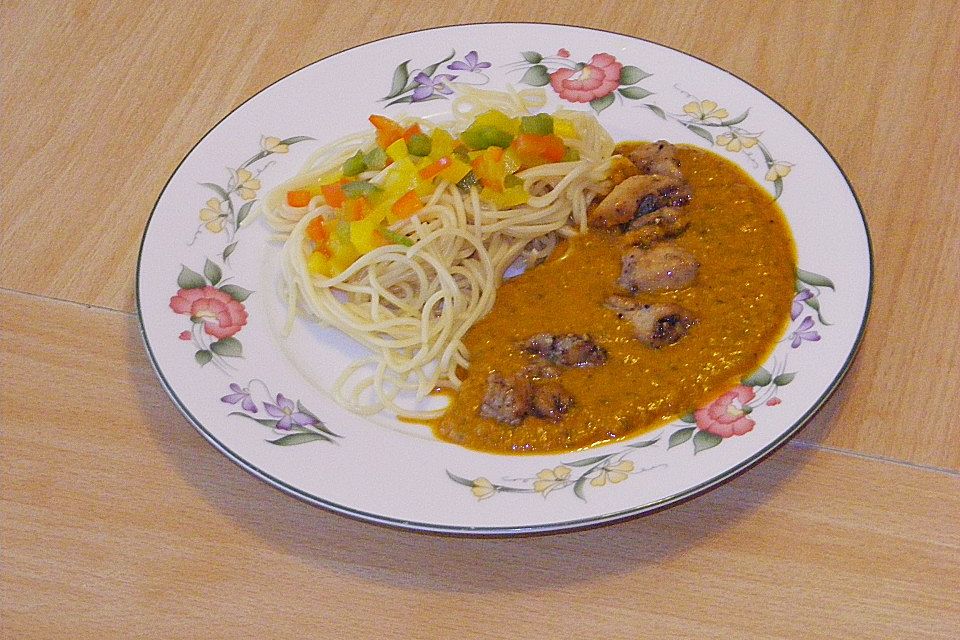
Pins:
x: 211, y: 312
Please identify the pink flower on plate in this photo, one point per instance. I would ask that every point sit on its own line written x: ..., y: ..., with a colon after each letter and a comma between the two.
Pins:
x: 598, y: 78
x: 221, y: 315
x: 727, y: 415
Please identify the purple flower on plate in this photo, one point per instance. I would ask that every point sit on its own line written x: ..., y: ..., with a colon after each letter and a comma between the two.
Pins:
x: 428, y: 86
x: 797, y: 308
x: 470, y: 62
x: 803, y: 333
x: 288, y: 415
x: 241, y: 395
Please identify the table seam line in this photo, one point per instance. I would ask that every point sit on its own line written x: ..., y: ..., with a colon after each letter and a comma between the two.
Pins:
x: 86, y: 305
x: 801, y: 444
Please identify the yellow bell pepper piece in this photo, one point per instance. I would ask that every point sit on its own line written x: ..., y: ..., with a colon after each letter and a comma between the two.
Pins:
x: 455, y: 172
x: 319, y: 265
x: 441, y: 143
x: 498, y: 119
x: 401, y: 177
x: 565, y: 129
x: 510, y: 197
x: 398, y: 150
x: 364, y: 235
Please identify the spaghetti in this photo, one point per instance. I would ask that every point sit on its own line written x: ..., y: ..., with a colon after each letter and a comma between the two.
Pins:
x: 427, y: 277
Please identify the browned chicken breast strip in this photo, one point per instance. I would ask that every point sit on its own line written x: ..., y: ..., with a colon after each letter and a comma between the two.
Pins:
x: 655, y: 325
x: 663, y: 224
x: 656, y: 158
x: 550, y: 401
x: 636, y: 196
x: 568, y: 350
x: 663, y: 267
x: 531, y: 392
x: 507, y: 400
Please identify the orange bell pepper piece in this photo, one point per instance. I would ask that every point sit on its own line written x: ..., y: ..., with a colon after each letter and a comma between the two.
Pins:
x: 536, y: 149
x: 411, y: 131
x: 406, y: 205
x: 490, y: 169
x: 355, y: 208
x: 318, y: 232
x: 430, y: 171
x: 299, y: 198
x: 333, y: 194
x: 388, y: 131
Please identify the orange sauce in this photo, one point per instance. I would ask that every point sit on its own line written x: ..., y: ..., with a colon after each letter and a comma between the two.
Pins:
x: 741, y: 297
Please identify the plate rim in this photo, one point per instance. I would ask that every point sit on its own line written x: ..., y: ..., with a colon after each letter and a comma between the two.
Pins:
x: 564, y: 526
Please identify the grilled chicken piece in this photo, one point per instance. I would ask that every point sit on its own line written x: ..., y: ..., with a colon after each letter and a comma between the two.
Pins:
x: 621, y: 168
x: 663, y: 267
x: 655, y: 325
x: 508, y: 400
x: 663, y: 224
x: 637, y: 196
x: 533, y: 391
x: 569, y: 350
x: 656, y: 158
x: 550, y: 401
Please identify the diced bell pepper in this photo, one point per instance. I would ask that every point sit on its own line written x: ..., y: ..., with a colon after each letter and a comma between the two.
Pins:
x: 317, y: 231
x: 333, y: 194
x: 490, y: 169
x: 533, y: 150
x: 354, y: 165
x: 398, y: 150
x: 506, y: 198
x: 441, y: 143
x: 540, y: 124
x: 395, y: 238
x: 402, y: 177
x: 344, y: 253
x: 498, y: 120
x: 388, y: 131
x: 375, y: 159
x: 299, y: 198
x: 430, y: 171
x: 455, y: 172
x: 319, y: 264
x: 355, y: 209
x: 360, y: 189
x: 405, y: 206
x: 365, y: 235
x: 565, y: 128
x: 483, y: 136
x: 411, y: 131
x: 419, y: 145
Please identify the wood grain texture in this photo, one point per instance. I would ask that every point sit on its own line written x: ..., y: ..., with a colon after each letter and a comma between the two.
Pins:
x: 118, y: 520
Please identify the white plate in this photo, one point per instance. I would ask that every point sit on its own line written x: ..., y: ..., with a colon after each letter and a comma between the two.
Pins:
x: 193, y: 257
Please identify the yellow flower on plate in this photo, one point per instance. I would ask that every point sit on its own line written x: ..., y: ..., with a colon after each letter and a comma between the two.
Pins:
x: 705, y: 111
x: 550, y: 479
x: 736, y: 141
x: 272, y: 144
x: 213, y: 216
x: 778, y: 170
x: 483, y: 488
x: 246, y: 184
x: 613, y: 474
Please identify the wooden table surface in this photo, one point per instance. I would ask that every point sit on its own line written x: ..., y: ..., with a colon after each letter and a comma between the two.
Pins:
x: 119, y: 521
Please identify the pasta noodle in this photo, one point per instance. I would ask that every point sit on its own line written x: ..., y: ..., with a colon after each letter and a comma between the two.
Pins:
x: 411, y: 305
